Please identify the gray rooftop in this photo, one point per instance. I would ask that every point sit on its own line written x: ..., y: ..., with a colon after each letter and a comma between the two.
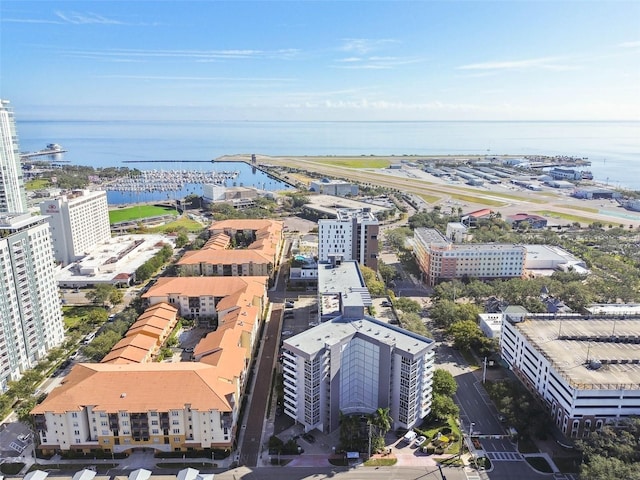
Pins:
x: 571, y: 344
x: 337, y: 330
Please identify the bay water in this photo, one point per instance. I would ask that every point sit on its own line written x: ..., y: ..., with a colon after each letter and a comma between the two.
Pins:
x: 612, y: 147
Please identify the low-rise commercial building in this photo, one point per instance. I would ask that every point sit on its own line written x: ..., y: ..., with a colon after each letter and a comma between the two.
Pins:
x: 339, y: 188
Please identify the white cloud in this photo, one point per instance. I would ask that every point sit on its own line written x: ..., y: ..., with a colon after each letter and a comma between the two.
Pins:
x: 634, y: 44
x: 198, y: 55
x: 365, y: 45
x: 374, y: 63
x: 544, y: 63
x: 76, y: 18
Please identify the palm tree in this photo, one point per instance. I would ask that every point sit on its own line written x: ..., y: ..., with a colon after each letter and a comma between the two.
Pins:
x: 382, y: 422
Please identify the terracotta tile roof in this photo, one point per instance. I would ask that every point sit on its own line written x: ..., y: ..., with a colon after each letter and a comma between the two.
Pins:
x: 127, y: 355
x: 206, y: 286
x: 218, y: 241
x: 225, y: 257
x: 114, y: 387
x: 162, y: 309
x: 134, y: 347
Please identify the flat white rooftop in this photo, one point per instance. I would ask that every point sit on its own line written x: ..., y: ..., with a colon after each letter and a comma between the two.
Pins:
x: 117, y: 256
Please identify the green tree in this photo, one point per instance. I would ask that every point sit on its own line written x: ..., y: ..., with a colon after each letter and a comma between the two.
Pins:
x: 101, y: 345
x: 443, y: 407
x: 444, y: 383
x: 181, y: 239
x: 407, y: 305
x: 101, y: 293
x: 413, y: 323
x: 443, y: 313
x: 387, y: 272
x: 375, y: 286
x: 465, y: 333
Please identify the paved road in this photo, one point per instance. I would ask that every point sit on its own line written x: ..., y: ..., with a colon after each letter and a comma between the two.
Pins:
x: 252, y: 427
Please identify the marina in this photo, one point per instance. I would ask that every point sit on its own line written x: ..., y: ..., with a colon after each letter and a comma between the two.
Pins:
x: 163, y: 185
x: 169, y: 180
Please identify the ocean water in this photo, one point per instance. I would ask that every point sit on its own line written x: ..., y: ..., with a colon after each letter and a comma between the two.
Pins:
x: 612, y: 147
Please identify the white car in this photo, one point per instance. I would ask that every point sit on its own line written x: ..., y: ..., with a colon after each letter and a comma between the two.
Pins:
x: 287, y: 332
x: 420, y: 440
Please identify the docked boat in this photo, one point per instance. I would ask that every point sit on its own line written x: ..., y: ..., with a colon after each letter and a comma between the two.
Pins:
x: 54, y: 146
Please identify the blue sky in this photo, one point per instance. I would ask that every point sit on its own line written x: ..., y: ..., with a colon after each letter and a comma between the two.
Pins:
x: 305, y: 60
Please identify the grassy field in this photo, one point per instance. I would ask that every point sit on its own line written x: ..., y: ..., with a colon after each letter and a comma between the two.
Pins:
x: 478, y: 199
x: 564, y: 216
x: 430, y: 198
x: 137, y: 212
x: 74, y: 315
x: 582, y: 209
x: 358, y: 162
x: 37, y: 184
x: 180, y: 223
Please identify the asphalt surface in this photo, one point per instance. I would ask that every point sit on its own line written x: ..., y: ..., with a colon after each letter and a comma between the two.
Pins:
x: 258, y: 394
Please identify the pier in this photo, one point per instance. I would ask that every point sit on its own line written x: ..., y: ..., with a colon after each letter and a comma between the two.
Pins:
x: 41, y: 153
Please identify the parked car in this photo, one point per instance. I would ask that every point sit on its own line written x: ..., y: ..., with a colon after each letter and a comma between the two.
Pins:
x: 287, y: 332
x: 309, y: 438
x: 419, y: 441
x: 288, y: 305
x: 386, y: 303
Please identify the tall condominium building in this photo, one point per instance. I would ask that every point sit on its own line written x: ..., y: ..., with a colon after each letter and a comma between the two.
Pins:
x: 30, y: 311
x: 79, y: 220
x: 440, y: 259
x: 12, y: 195
x: 354, y: 364
x: 353, y: 235
x: 585, y: 370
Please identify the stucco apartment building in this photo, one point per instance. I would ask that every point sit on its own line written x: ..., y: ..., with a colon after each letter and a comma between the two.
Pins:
x: 209, y: 297
x: 145, y: 337
x: 219, y: 258
x: 127, y: 402
x: 440, y: 259
x: 585, y: 370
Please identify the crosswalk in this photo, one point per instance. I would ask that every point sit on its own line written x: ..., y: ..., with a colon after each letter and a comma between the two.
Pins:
x: 503, y: 456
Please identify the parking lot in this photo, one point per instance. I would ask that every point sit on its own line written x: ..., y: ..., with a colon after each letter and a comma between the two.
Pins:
x: 300, y: 314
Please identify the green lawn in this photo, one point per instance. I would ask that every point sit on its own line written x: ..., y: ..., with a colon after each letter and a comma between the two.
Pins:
x: 137, y: 212
x: 37, y: 184
x: 180, y: 223
x: 75, y: 315
x: 564, y: 216
x: 356, y: 162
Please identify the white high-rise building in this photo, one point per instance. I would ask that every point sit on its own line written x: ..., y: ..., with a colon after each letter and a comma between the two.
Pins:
x: 353, y: 235
x: 79, y: 221
x: 12, y: 195
x: 30, y: 311
x: 353, y: 363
